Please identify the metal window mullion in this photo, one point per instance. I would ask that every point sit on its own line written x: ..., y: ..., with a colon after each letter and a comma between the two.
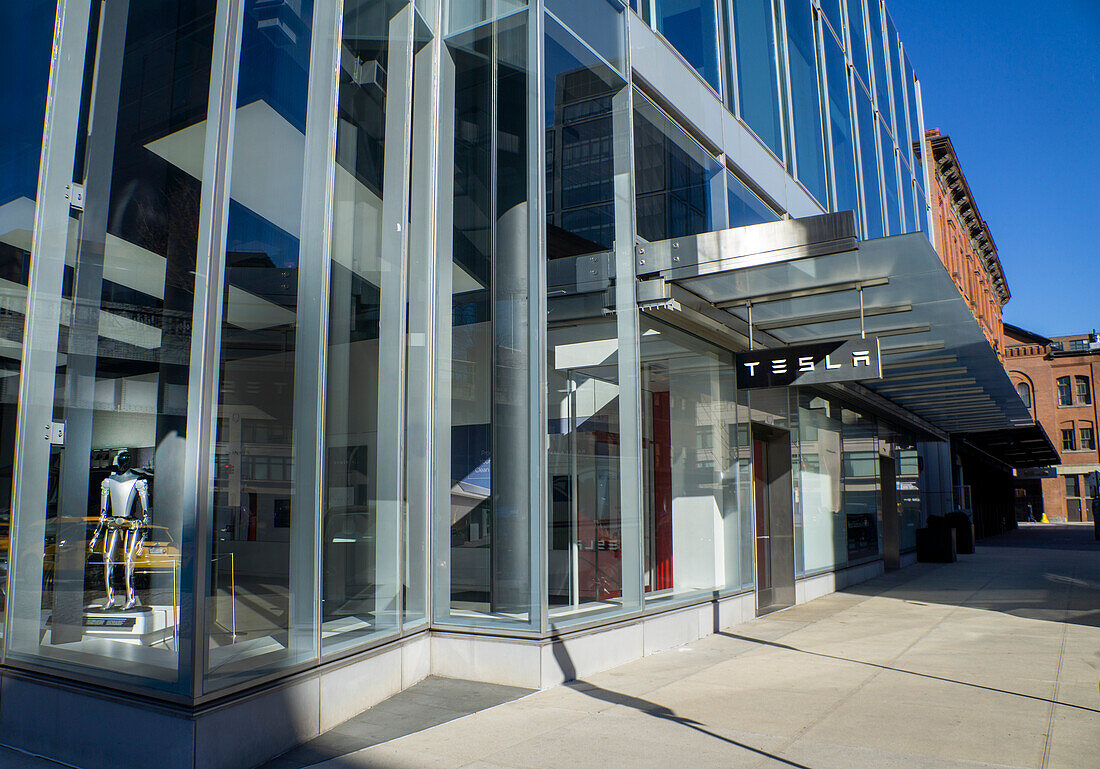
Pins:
x: 394, y: 304
x: 38, y: 364
x: 537, y: 333
x: 311, y: 330
x: 202, y: 391
x: 423, y: 309
x: 820, y: 30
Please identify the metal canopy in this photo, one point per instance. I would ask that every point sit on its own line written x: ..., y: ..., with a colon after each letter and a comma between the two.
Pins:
x: 809, y: 280
x: 1019, y: 447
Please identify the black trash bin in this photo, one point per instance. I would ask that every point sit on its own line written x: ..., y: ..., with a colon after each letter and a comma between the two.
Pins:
x: 964, y: 531
x: 936, y: 542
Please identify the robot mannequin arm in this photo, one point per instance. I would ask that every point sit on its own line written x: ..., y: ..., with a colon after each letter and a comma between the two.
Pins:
x: 104, y: 496
x: 143, y: 500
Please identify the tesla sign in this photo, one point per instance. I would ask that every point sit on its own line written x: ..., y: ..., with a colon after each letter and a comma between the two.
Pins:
x: 846, y: 360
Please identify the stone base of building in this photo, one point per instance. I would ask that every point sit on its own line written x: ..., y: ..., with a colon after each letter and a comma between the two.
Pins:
x: 106, y: 730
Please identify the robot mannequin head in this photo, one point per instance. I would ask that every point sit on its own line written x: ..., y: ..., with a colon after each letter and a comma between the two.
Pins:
x: 122, y: 462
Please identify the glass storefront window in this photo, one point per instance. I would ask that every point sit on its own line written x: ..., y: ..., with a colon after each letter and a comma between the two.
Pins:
x: 678, y: 185
x: 824, y: 526
x: 103, y: 506
x: 840, y: 124
x: 758, y: 99
x: 260, y: 598
x: 692, y: 524
x: 859, y: 472
x: 589, y: 544
x: 361, y: 571
x: 25, y: 40
x: 745, y: 207
x: 868, y: 165
x: 909, y: 492
x: 809, y: 147
x: 483, y: 507
x: 691, y: 26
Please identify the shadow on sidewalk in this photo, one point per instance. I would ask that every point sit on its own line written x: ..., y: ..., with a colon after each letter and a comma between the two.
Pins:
x: 565, y: 663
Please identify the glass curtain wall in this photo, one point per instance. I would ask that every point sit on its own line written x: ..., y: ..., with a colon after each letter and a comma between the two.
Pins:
x: 105, y: 507
x: 857, y: 34
x: 759, y: 101
x: 870, y: 185
x: 809, y: 145
x: 845, y: 180
x: 691, y: 26
x: 693, y: 521
x: 592, y: 537
x: 25, y: 41
x: 485, y: 513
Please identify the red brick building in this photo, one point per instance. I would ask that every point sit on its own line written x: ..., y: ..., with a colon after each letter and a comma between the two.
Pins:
x: 963, y: 240
x: 1056, y: 379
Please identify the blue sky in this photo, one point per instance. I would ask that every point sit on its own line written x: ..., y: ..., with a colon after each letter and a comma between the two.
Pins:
x: 1016, y: 87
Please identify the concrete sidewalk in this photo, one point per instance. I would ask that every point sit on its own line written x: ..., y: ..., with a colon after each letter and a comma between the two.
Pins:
x: 990, y: 662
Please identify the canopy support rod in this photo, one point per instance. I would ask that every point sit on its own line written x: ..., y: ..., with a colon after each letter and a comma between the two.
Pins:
x: 862, y: 326
x: 749, y: 306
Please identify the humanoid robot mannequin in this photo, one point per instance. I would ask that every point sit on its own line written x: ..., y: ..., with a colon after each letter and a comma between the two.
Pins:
x: 124, y: 520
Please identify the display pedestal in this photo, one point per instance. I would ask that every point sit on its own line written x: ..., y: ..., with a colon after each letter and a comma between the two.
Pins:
x: 144, y: 625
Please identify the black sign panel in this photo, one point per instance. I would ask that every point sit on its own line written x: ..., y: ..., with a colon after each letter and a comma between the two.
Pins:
x: 846, y: 360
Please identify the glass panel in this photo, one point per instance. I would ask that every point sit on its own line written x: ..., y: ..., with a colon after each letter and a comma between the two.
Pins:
x: 1084, y: 392
x: 465, y: 14
x: 898, y: 90
x: 831, y: 8
x: 757, y: 75
x: 585, y: 104
x: 890, y: 180
x: 858, y: 33
x: 840, y: 118
x: 26, y: 37
x: 599, y: 23
x: 676, y: 179
x: 98, y: 580
x: 360, y: 564
x: 878, y: 58
x: 745, y: 207
x: 909, y: 492
x: 692, y: 28
x: 262, y: 557
x: 806, y: 99
x: 689, y: 435
x: 488, y: 575
x: 914, y: 122
x: 922, y: 210
x: 824, y: 529
x: 859, y: 486
x: 868, y: 164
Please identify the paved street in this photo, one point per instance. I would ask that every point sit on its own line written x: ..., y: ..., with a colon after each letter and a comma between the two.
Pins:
x: 990, y: 662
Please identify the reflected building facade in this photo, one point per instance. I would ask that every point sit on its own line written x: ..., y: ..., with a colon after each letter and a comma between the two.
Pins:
x: 361, y: 289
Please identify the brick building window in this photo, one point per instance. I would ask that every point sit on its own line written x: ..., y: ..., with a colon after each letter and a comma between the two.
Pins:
x: 1025, y: 393
x: 1088, y: 442
x: 1069, y: 440
x: 1065, y: 394
x: 1084, y: 390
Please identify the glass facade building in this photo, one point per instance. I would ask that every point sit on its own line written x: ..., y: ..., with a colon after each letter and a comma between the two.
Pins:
x: 322, y: 332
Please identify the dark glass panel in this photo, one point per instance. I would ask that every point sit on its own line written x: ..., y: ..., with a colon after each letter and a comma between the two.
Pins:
x: 757, y: 75
x: 843, y: 142
x: 806, y: 99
